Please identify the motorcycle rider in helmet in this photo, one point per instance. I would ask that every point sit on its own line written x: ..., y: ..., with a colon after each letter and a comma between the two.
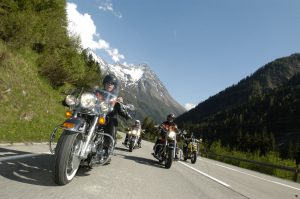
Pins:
x: 137, y: 126
x: 110, y: 83
x: 187, y: 140
x: 169, y: 122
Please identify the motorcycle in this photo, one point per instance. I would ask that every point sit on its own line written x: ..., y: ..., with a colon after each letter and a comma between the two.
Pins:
x: 165, y: 149
x: 83, y: 141
x: 191, y: 149
x: 133, y: 138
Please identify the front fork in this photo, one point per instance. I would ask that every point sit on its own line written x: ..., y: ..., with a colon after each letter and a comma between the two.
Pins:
x: 84, y: 152
x: 174, y: 147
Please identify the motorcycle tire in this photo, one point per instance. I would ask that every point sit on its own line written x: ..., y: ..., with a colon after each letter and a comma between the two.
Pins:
x: 66, y: 163
x: 169, y: 159
x: 131, y: 146
x: 194, y: 157
x: 185, y: 156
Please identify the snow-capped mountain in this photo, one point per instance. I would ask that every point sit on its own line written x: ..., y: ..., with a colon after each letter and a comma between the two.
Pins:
x: 140, y: 86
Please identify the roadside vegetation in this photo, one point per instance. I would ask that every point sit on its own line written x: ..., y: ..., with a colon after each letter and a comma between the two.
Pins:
x: 217, y: 152
x: 39, y: 64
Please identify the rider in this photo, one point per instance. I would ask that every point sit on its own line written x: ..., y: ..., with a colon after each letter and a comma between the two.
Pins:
x: 187, y: 140
x: 110, y: 83
x: 169, y: 122
x: 137, y: 126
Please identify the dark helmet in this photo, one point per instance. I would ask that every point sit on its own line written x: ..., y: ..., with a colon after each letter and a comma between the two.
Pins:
x: 170, y: 117
x: 111, y: 79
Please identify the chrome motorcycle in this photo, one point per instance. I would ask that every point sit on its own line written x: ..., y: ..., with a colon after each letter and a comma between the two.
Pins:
x: 83, y: 140
x: 133, y: 138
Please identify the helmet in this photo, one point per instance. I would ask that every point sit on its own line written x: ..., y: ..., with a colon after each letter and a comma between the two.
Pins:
x: 171, y: 117
x: 137, y: 122
x: 111, y: 79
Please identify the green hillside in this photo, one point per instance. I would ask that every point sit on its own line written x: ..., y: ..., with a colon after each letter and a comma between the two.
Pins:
x: 267, y: 78
x: 260, y: 114
x: 38, y: 63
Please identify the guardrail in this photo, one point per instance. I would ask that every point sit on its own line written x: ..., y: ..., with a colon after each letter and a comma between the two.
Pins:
x: 286, y: 168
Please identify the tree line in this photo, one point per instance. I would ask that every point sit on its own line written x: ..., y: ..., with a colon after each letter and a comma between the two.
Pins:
x: 268, y: 122
x: 40, y: 25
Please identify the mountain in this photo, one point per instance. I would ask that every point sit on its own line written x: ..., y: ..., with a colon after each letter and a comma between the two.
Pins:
x: 265, y: 79
x: 141, y: 86
x: 259, y: 114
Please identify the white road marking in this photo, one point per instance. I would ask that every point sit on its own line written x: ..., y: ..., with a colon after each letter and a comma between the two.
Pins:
x: 215, y: 179
x: 253, y: 175
x: 20, y: 156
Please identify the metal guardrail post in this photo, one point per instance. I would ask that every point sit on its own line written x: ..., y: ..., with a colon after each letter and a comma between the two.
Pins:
x: 296, y: 173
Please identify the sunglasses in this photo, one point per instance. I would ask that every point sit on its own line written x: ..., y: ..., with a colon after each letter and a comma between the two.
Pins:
x: 110, y: 83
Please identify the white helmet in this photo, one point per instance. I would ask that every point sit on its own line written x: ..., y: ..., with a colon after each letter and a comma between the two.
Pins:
x: 137, y: 122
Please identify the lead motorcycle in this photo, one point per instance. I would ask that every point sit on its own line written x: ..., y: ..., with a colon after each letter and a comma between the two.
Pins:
x: 165, y: 149
x: 83, y: 140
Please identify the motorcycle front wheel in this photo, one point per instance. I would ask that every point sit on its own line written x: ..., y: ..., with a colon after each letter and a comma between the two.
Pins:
x: 66, y: 161
x: 131, y: 146
x: 185, y: 155
x: 194, y: 157
x: 169, y: 159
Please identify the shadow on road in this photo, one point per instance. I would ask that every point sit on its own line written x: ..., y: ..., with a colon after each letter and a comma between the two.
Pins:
x: 140, y: 160
x: 36, y: 170
x: 146, y: 161
x: 121, y: 149
x: 8, y: 152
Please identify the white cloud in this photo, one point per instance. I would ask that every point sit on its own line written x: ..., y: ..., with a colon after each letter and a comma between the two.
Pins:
x: 103, y: 44
x: 84, y: 26
x: 189, y: 106
x: 115, y: 55
x: 106, y: 5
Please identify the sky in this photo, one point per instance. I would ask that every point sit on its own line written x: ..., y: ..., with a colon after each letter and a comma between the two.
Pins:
x: 197, y: 48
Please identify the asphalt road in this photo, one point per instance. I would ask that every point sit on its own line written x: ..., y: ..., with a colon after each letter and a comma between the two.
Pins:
x: 25, y: 172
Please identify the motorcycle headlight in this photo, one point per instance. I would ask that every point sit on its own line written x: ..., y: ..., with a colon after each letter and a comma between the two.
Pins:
x: 70, y: 100
x: 172, y: 135
x: 88, y: 100
x: 134, y: 132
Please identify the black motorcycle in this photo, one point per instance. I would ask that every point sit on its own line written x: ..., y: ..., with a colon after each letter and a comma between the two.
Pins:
x: 165, y: 148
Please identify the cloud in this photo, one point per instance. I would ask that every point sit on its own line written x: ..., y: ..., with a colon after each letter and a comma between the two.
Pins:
x: 106, y: 5
x: 82, y: 25
x: 115, y: 55
x: 189, y: 106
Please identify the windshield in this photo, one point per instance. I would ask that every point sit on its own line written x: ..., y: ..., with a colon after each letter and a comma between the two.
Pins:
x: 106, y: 100
x: 95, y: 101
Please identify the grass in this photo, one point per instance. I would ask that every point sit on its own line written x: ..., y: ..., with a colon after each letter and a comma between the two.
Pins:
x: 30, y: 107
x: 271, y: 158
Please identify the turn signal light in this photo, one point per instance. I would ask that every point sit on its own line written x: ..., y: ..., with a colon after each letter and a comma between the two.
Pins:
x: 68, y: 125
x: 68, y: 114
x: 102, y: 120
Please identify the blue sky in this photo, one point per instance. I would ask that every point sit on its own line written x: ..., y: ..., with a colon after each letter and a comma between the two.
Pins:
x: 196, y: 47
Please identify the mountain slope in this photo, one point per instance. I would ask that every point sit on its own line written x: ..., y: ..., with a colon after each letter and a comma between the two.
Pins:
x: 259, y: 114
x: 270, y: 76
x: 141, y: 87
